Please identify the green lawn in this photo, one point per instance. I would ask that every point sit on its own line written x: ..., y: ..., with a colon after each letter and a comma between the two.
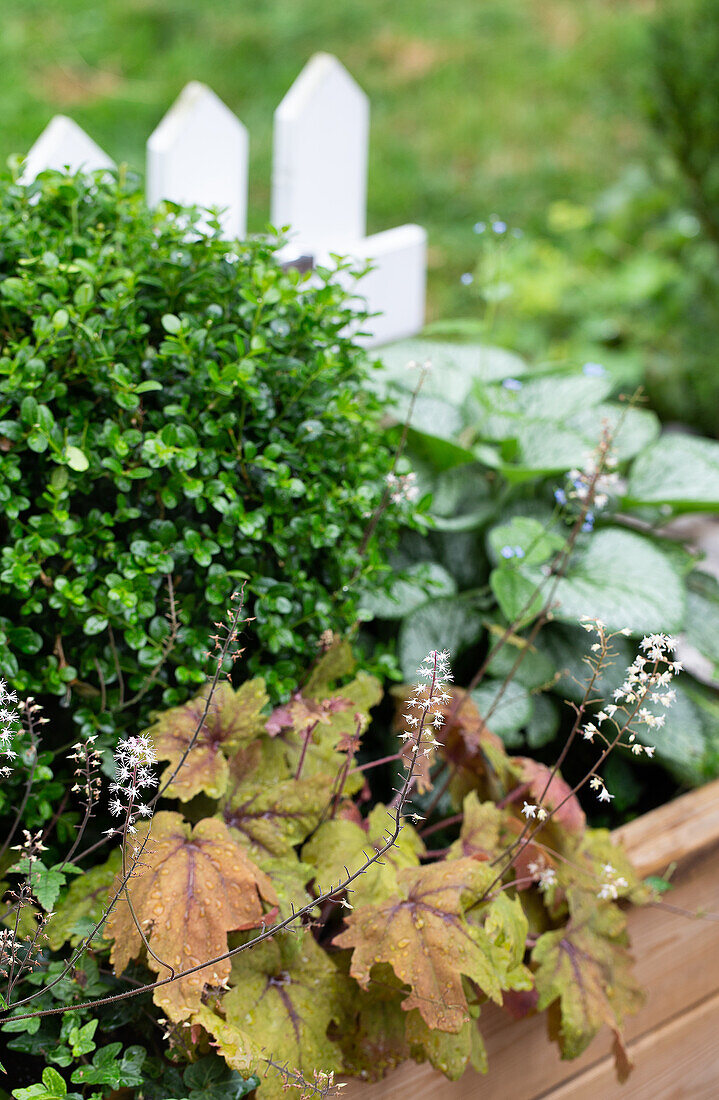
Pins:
x: 479, y: 106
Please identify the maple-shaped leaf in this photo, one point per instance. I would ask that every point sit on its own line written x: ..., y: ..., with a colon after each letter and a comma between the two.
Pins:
x: 341, y: 843
x: 586, y: 968
x: 83, y: 905
x: 192, y: 888
x: 233, y: 718
x: 375, y: 1040
x: 600, y: 852
x: 487, y: 832
x: 237, y: 1049
x: 314, y: 740
x: 423, y: 934
x: 302, y: 712
x: 261, y: 760
x: 289, y: 878
x: 357, y: 699
x: 334, y: 664
x: 479, y: 836
x: 270, y: 818
x: 448, y: 1052
x: 284, y: 1002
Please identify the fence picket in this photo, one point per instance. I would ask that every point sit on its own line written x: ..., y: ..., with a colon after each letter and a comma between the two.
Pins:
x: 199, y: 155
x: 319, y: 172
x: 63, y: 144
x: 395, y: 287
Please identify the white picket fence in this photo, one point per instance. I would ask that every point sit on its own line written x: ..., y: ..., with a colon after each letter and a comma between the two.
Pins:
x: 199, y: 154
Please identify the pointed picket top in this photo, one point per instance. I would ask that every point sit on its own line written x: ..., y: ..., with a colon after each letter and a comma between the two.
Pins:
x: 321, y: 138
x: 64, y: 145
x: 198, y: 155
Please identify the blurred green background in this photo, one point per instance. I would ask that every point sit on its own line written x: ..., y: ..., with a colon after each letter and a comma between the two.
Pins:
x: 589, y: 127
x: 479, y: 107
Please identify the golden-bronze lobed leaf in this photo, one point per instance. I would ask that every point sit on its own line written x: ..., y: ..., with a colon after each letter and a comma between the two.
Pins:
x: 479, y: 836
x: 336, y: 663
x: 424, y: 936
x: 194, y: 886
x: 340, y: 845
x: 586, y: 968
x: 233, y: 719
x: 270, y: 818
x: 283, y: 1001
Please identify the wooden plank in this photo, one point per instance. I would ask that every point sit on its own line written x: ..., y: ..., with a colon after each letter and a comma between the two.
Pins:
x: 678, y: 1061
x: 680, y: 831
x: 677, y: 964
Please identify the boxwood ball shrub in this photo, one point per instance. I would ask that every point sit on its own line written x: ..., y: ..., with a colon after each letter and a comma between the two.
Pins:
x: 177, y: 414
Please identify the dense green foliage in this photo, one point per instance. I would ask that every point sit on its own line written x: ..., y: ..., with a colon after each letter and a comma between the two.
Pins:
x: 171, y: 406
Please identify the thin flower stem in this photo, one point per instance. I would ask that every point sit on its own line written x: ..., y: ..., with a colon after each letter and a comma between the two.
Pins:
x: 430, y: 829
x: 308, y: 736
x: 333, y: 894
x: 376, y: 763
x: 34, y: 740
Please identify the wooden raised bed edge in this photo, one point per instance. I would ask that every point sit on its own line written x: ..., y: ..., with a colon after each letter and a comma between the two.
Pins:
x: 673, y: 1040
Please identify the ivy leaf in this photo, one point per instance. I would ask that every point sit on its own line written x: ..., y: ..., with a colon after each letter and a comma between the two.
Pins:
x: 284, y: 1001
x: 424, y: 936
x: 85, y: 901
x: 586, y: 968
x: 341, y: 843
x: 198, y: 883
x: 47, y: 882
x: 234, y: 718
x: 107, y: 1070
x: 53, y: 1087
x: 211, y: 1079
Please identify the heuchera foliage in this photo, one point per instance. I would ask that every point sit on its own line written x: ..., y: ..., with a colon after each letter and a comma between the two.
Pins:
x: 425, y: 939
x: 171, y: 405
